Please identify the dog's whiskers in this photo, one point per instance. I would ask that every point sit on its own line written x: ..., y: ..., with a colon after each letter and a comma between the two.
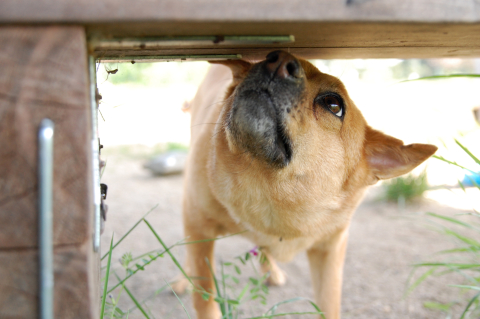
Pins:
x: 214, y: 123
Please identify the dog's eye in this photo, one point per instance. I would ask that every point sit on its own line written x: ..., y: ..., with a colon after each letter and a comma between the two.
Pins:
x: 332, y: 103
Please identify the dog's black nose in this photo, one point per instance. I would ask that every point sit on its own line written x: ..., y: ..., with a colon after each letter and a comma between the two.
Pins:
x: 283, y: 64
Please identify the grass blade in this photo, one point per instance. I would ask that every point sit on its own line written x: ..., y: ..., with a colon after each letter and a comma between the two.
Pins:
x: 466, y: 150
x: 467, y: 287
x: 417, y: 282
x: 438, y: 77
x: 104, y: 297
x: 453, y: 265
x: 185, y: 309
x: 452, y: 220
x: 219, y: 293
x: 139, y: 306
x: 131, y: 229
x: 288, y: 313
x: 167, y: 250
x: 469, y: 304
x: 275, y: 306
x: 452, y: 163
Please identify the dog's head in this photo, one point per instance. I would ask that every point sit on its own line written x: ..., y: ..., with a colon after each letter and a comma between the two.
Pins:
x: 284, y: 119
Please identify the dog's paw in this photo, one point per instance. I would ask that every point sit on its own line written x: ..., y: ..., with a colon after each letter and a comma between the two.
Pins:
x: 180, y: 285
x: 277, y: 277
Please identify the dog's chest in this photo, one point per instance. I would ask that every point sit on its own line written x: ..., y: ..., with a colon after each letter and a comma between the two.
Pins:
x: 280, y: 209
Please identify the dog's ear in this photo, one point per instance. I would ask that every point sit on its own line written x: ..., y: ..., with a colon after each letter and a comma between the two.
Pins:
x: 387, y: 157
x: 239, y: 68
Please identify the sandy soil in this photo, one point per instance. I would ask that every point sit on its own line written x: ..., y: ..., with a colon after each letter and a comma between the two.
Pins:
x: 384, y: 243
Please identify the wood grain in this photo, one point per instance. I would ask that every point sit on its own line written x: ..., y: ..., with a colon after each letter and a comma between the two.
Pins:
x: 19, y: 284
x: 44, y: 75
x: 322, y: 28
x: 313, y: 53
x: 313, y: 39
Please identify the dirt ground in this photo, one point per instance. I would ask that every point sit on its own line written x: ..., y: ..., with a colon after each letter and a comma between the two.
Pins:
x: 384, y: 243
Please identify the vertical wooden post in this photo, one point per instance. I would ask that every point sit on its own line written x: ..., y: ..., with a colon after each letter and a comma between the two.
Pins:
x: 44, y: 73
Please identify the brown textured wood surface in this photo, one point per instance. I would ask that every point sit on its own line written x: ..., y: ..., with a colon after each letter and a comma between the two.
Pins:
x: 82, y: 11
x: 43, y: 74
x: 311, y: 53
x: 19, y: 284
x: 322, y: 28
x: 312, y: 39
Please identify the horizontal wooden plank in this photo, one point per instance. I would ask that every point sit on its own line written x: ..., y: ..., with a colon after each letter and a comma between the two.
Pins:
x: 312, y: 39
x: 314, y: 53
x: 86, y: 11
x: 309, y: 34
x: 44, y: 75
x: 73, y: 291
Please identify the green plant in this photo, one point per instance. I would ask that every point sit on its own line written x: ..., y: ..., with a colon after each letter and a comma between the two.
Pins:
x: 230, y: 293
x: 463, y: 260
x: 406, y: 188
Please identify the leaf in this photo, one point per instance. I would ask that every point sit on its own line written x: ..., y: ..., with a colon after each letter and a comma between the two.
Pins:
x: 242, y: 293
x: 233, y: 302
x: 253, y: 280
x: 107, y: 275
x: 241, y: 260
x: 265, y: 289
x: 205, y: 296
x: 237, y: 270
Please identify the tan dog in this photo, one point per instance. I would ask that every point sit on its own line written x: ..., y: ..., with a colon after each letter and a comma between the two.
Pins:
x: 282, y: 151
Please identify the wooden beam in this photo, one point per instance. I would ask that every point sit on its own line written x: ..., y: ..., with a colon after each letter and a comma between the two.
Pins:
x: 44, y: 74
x: 322, y: 28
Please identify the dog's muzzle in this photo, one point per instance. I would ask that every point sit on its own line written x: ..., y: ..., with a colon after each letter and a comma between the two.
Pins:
x: 258, y: 120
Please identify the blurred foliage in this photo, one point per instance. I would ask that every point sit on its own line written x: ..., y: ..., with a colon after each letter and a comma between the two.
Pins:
x: 410, y: 187
x: 463, y: 259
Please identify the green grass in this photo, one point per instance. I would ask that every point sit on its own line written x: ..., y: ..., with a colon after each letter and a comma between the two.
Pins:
x: 232, y: 290
x: 463, y: 260
x: 405, y: 188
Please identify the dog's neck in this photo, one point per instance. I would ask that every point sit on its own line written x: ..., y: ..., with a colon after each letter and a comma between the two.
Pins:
x: 288, y: 202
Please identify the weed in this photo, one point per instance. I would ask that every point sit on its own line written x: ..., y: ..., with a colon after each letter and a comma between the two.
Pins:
x: 230, y: 293
x: 406, y: 188
x: 463, y: 260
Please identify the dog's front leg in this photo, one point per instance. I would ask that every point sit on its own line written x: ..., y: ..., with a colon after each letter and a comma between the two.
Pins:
x: 326, y: 268
x: 199, y: 256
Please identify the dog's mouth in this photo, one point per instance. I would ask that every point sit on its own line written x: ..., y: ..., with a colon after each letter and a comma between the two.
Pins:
x: 256, y: 126
x: 284, y: 145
